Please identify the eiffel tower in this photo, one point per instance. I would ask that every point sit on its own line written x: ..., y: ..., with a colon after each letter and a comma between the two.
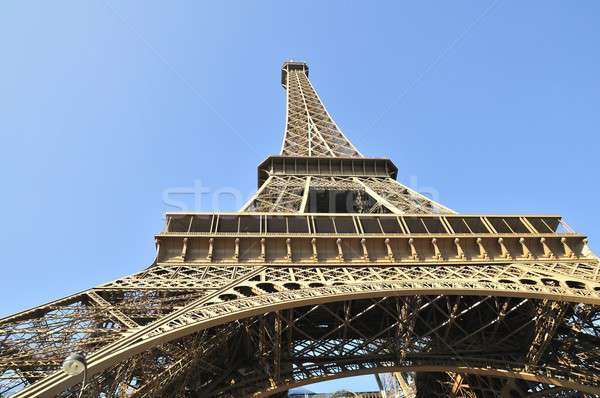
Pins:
x: 331, y: 269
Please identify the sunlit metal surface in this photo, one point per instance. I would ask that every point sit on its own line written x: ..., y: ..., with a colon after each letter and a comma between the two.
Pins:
x: 332, y: 269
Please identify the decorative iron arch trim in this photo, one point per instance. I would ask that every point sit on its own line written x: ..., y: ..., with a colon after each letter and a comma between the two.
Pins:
x: 208, y: 313
x: 483, y: 371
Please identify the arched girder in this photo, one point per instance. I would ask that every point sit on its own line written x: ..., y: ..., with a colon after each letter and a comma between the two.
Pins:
x: 483, y: 371
x: 211, y: 311
x: 252, y: 380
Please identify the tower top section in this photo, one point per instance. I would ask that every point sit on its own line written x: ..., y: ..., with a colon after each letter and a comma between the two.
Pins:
x: 309, y: 130
x: 289, y: 66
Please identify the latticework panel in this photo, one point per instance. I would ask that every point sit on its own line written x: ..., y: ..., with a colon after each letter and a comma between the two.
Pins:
x: 34, y: 343
x: 278, y: 350
x: 291, y: 194
x: 399, y: 199
x: 370, y: 319
x: 310, y: 131
x: 279, y: 194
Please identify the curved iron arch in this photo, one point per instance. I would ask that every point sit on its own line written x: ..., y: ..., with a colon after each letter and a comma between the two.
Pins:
x: 211, y: 312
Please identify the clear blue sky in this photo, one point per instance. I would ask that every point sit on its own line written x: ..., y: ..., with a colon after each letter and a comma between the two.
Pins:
x: 105, y: 106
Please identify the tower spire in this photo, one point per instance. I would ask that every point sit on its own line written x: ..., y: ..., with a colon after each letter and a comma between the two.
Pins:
x: 319, y: 169
x: 309, y: 129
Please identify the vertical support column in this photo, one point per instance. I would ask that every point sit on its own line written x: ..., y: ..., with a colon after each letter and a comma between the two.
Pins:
x: 305, y: 194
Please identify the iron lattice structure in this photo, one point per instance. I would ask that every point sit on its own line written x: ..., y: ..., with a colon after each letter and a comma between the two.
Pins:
x: 332, y: 269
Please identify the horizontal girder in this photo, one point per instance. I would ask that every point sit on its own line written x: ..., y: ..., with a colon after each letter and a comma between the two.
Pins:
x: 288, y: 193
x: 260, y: 290
x: 276, y: 350
x: 325, y: 166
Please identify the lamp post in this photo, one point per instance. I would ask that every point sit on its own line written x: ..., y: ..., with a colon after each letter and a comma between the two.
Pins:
x: 75, y: 364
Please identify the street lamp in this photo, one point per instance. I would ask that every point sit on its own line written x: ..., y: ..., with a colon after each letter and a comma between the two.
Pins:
x: 73, y: 365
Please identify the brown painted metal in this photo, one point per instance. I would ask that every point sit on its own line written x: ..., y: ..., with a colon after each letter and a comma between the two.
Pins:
x: 255, y: 302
